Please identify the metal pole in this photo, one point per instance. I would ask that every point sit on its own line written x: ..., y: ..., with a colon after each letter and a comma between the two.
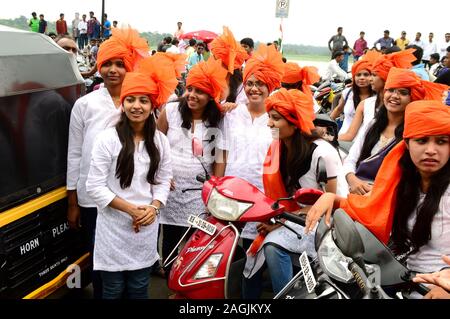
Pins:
x: 103, y: 18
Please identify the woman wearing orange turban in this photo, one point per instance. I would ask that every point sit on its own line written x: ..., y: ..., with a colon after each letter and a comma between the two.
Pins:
x: 129, y: 180
x: 402, y: 87
x: 92, y: 114
x: 246, y: 135
x: 410, y: 199
x: 351, y: 97
x: 291, y: 163
x: 233, y: 56
x: 196, y: 116
x: 380, y: 64
x: 296, y: 77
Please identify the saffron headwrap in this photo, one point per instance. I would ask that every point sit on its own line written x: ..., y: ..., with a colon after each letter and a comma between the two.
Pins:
x: 266, y: 64
x: 227, y: 49
x: 210, y: 77
x: 376, y: 211
x: 385, y: 62
x: 154, y: 77
x: 125, y: 44
x: 420, y: 89
x: 293, y: 73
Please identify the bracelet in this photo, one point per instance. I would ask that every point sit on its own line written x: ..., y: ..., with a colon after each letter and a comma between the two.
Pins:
x: 156, y: 209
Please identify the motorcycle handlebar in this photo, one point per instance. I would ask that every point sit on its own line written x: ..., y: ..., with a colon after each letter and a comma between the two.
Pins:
x: 297, y: 219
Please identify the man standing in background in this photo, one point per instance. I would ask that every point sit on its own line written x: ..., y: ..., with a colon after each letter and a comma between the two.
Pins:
x: 179, y: 31
x: 430, y: 47
x: 106, y: 27
x: 338, y: 42
x: 42, y: 24
x: 444, y: 45
x: 417, y: 40
x: 385, y: 42
x: 402, y: 42
x: 34, y: 22
x: 359, y: 47
x: 75, y: 31
x: 61, y: 25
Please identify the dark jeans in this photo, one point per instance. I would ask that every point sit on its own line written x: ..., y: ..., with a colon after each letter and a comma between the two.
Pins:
x: 82, y: 41
x: 88, y: 222
x: 281, y: 272
x: 126, y: 284
x: 171, y: 235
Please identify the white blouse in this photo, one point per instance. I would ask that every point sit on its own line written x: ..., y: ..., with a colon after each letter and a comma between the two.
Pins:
x: 91, y: 114
x: 117, y: 246
x: 428, y: 258
x: 247, y: 141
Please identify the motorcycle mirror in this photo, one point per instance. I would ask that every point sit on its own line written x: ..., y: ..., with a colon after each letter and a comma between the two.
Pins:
x: 347, y: 237
x: 307, y: 196
x: 197, y: 147
x: 321, y: 172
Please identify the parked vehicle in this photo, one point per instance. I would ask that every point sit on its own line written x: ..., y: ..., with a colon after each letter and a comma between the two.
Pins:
x: 40, y: 83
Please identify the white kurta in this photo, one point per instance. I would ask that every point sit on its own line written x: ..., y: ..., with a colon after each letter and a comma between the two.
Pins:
x: 117, y: 246
x: 428, y: 258
x: 186, y: 167
x: 247, y: 142
x: 286, y: 238
x: 91, y: 114
x: 349, y: 110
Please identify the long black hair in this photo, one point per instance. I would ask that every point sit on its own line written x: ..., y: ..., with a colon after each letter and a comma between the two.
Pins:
x: 374, y: 132
x: 125, y: 161
x: 357, y: 92
x: 234, y: 82
x: 408, y: 194
x: 211, y: 114
x: 296, y: 164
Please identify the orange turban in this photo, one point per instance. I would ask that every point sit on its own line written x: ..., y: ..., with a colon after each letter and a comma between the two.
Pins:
x: 154, y: 77
x: 210, y: 77
x: 227, y: 49
x: 125, y: 44
x: 293, y: 73
x: 179, y: 61
x: 366, y: 62
x: 295, y: 106
x: 376, y: 211
x: 385, y: 62
x: 266, y: 64
x: 420, y: 89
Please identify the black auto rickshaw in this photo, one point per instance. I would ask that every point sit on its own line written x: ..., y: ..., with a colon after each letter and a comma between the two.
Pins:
x: 39, y: 83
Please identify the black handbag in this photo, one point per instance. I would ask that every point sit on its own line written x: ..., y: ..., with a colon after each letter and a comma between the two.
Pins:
x: 368, y: 169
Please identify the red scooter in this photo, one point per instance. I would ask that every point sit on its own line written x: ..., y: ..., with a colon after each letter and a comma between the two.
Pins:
x: 211, y: 263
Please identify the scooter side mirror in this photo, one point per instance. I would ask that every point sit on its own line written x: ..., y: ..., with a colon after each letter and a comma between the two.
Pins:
x: 307, y: 196
x: 347, y: 237
x: 197, y: 147
x: 321, y: 172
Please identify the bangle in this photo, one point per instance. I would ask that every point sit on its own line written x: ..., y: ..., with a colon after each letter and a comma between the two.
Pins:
x: 156, y: 209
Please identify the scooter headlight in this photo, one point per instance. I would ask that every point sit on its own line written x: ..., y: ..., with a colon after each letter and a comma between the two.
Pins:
x: 225, y: 208
x: 333, y: 261
x: 209, y: 267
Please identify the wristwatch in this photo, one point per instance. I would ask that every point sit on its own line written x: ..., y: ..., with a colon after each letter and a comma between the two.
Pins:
x: 156, y: 209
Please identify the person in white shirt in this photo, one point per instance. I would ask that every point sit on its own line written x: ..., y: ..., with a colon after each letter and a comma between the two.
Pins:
x: 333, y: 70
x: 129, y: 181
x: 444, y: 45
x: 246, y: 134
x: 92, y: 114
x: 82, y: 28
x: 174, y: 47
x: 417, y: 41
x: 195, y: 118
x: 430, y: 48
x: 291, y: 163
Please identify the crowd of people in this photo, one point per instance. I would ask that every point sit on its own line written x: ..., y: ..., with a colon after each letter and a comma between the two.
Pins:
x: 130, y: 149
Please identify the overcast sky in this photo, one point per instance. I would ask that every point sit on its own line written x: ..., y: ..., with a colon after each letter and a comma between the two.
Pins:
x: 310, y: 22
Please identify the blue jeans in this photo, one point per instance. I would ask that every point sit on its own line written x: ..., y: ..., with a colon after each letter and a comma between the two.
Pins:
x: 126, y: 284
x: 280, y: 268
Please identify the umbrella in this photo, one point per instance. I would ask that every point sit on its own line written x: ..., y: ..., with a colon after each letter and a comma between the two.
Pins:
x: 203, y: 35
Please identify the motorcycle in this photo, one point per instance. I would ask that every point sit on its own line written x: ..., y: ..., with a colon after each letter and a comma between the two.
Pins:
x: 327, y: 95
x: 351, y: 264
x: 211, y: 263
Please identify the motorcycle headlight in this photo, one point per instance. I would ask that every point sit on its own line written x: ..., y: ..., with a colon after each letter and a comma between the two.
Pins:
x: 225, y: 208
x: 209, y: 267
x: 333, y: 261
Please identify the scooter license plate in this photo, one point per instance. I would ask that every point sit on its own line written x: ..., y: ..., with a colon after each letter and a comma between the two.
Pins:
x: 308, y: 274
x: 202, y: 224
